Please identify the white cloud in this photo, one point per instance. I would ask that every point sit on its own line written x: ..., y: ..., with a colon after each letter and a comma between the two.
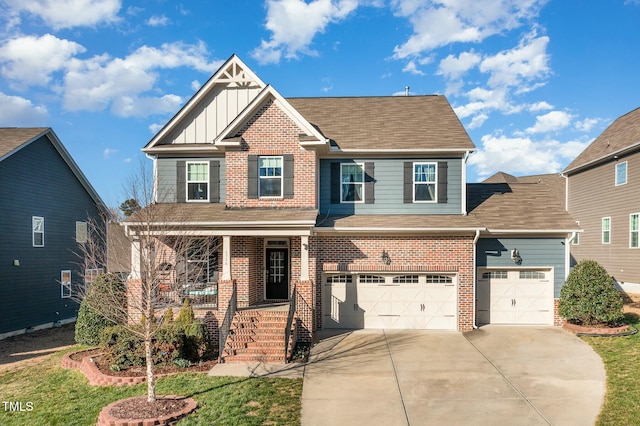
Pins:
x: 20, y: 112
x: 478, y: 121
x: 195, y: 85
x: 155, y: 127
x: 158, y: 21
x: 551, y: 122
x: 540, y: 106
x: 523, y: 155
x: 412, y: 68
x: 108, y: 152
x: 69, y: 13
x: 31, y: 60
x: 99, y: 82
x: 520, y: 65
x: 515, y: 155
x: 438, y: 23
x: 587, y: 124
x: 454, y: 67
x: 294, y: 23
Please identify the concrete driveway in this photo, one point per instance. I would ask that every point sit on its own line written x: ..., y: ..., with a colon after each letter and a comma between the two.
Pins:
x: 490, y: 376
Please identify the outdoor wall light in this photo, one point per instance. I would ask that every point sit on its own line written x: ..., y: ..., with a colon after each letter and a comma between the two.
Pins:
x: 385, y: 257
x: 16, y: 262
x: 515, y: 256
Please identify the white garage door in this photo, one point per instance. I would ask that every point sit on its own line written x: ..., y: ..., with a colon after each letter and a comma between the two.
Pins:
x: 402, y: 301
x: 515, y: 297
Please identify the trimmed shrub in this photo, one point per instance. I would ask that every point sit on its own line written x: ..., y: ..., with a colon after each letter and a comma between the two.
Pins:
x: 122, y: 347
x: 589, y: 296
x: 90, y: 321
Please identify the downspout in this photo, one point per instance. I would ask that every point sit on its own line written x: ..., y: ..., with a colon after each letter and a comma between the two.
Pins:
x: 464, y: 182
x: 155, y: 176
x: 475, y: 281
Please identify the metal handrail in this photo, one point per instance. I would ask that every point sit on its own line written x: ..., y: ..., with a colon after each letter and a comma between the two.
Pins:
x: 288, y: 328
x: 226, y: 323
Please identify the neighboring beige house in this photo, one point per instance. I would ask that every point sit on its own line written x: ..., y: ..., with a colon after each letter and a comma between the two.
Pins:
x: 603, y: 187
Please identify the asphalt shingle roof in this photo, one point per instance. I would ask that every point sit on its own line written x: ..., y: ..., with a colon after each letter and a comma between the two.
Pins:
x: 624, y: 132
x: 12, y: 137
x: 391, y: 122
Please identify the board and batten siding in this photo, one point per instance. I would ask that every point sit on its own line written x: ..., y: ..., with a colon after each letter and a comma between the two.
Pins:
x: 36, y: 181
x: 213, y: 114
x: 166, y: 172
x: 594, y: 195
x: 388, y: 189
x: 535, y: 253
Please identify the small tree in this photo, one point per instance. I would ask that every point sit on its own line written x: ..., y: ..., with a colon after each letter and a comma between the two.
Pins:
x: 157, y: 239
x: 589, y: 296
x: 130, y: 207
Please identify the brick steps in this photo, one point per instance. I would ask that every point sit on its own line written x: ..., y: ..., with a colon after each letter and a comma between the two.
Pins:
x: 256, y: 336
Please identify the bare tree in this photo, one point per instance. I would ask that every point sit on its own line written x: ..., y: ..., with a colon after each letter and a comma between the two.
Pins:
x: 165, y: 264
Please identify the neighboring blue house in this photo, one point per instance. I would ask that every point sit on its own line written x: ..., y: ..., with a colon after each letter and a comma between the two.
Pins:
x: 45, y: 203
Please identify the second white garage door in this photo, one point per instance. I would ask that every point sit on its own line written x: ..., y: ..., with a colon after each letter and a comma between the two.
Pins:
x: 522, y: 296
x: 407, y: 301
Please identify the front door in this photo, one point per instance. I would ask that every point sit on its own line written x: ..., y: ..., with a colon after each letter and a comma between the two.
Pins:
x: 277, y: 267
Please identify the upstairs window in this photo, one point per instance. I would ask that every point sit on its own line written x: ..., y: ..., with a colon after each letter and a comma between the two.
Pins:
x: 424, y: 182
x: 621, y: 173
x: 270, y: 177
x: 81, y: 232
x: 197, y: 181
x: 351, y: 183
x: 91, y: 274
x: 606, y: 230
x: 634, y: 230
x: 37, y: 225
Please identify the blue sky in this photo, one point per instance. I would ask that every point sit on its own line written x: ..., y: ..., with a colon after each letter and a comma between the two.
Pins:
x: 533, y: 82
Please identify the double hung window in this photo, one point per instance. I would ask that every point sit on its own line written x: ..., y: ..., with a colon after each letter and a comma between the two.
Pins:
x: 65, y: 284
x: 81, y: 232
x: 37, y: 226
x: 606, y: 230
x: 634, y: 230
x: 270, y: 176
x: 621, y: 173
x: 424, y: 182
x: 352, y: 183
x: 198, y: 181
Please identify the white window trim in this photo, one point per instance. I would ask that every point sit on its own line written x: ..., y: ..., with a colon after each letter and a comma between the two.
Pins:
x: 34, y: 232
x: 603, y: 230
x: 92, y: 273
x: 342, y: 201
x: 65, y: 285
x: 86, y: 232
x: 632, y: 231
x: 281, y: 177
x: 626, y: 171
x: 187, y: 181
x: 435, y: 182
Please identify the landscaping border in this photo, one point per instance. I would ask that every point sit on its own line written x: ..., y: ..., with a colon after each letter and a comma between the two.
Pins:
x: 106, y: 419
x: 579, y: 330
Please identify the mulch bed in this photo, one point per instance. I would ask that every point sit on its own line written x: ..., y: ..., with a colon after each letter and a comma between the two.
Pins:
x: 596, y: 329
x: 139, y: 371
x: 137, y: 411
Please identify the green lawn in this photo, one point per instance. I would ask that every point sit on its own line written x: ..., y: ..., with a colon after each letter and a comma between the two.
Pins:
x: 621, y: 357
x: 63, y: 397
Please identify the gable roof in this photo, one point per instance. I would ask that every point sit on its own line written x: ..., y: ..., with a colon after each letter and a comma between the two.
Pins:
x: 623, y: 135
x: 233, y: 72
x: 13, y: 139
x: 384, y: 123
x: 526, y: 204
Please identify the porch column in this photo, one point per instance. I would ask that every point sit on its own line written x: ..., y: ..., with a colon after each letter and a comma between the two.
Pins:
x: 304, y: 258
x: 226, y: 258
x: 136, y: 266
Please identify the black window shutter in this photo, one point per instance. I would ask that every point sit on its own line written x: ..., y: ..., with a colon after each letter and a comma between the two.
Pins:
x: 369, y: 194
x: 442, y: 181
x: 287, y: 190
x: 252, y: 177
x: 214, y: 181
x: 335, y: 183
x: 408, y: 182
x: 181, y: 182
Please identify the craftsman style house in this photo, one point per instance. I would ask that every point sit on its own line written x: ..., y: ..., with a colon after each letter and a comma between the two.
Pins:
x: 353, y: 212
x: 45, y: 205
x: 603, y: 186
